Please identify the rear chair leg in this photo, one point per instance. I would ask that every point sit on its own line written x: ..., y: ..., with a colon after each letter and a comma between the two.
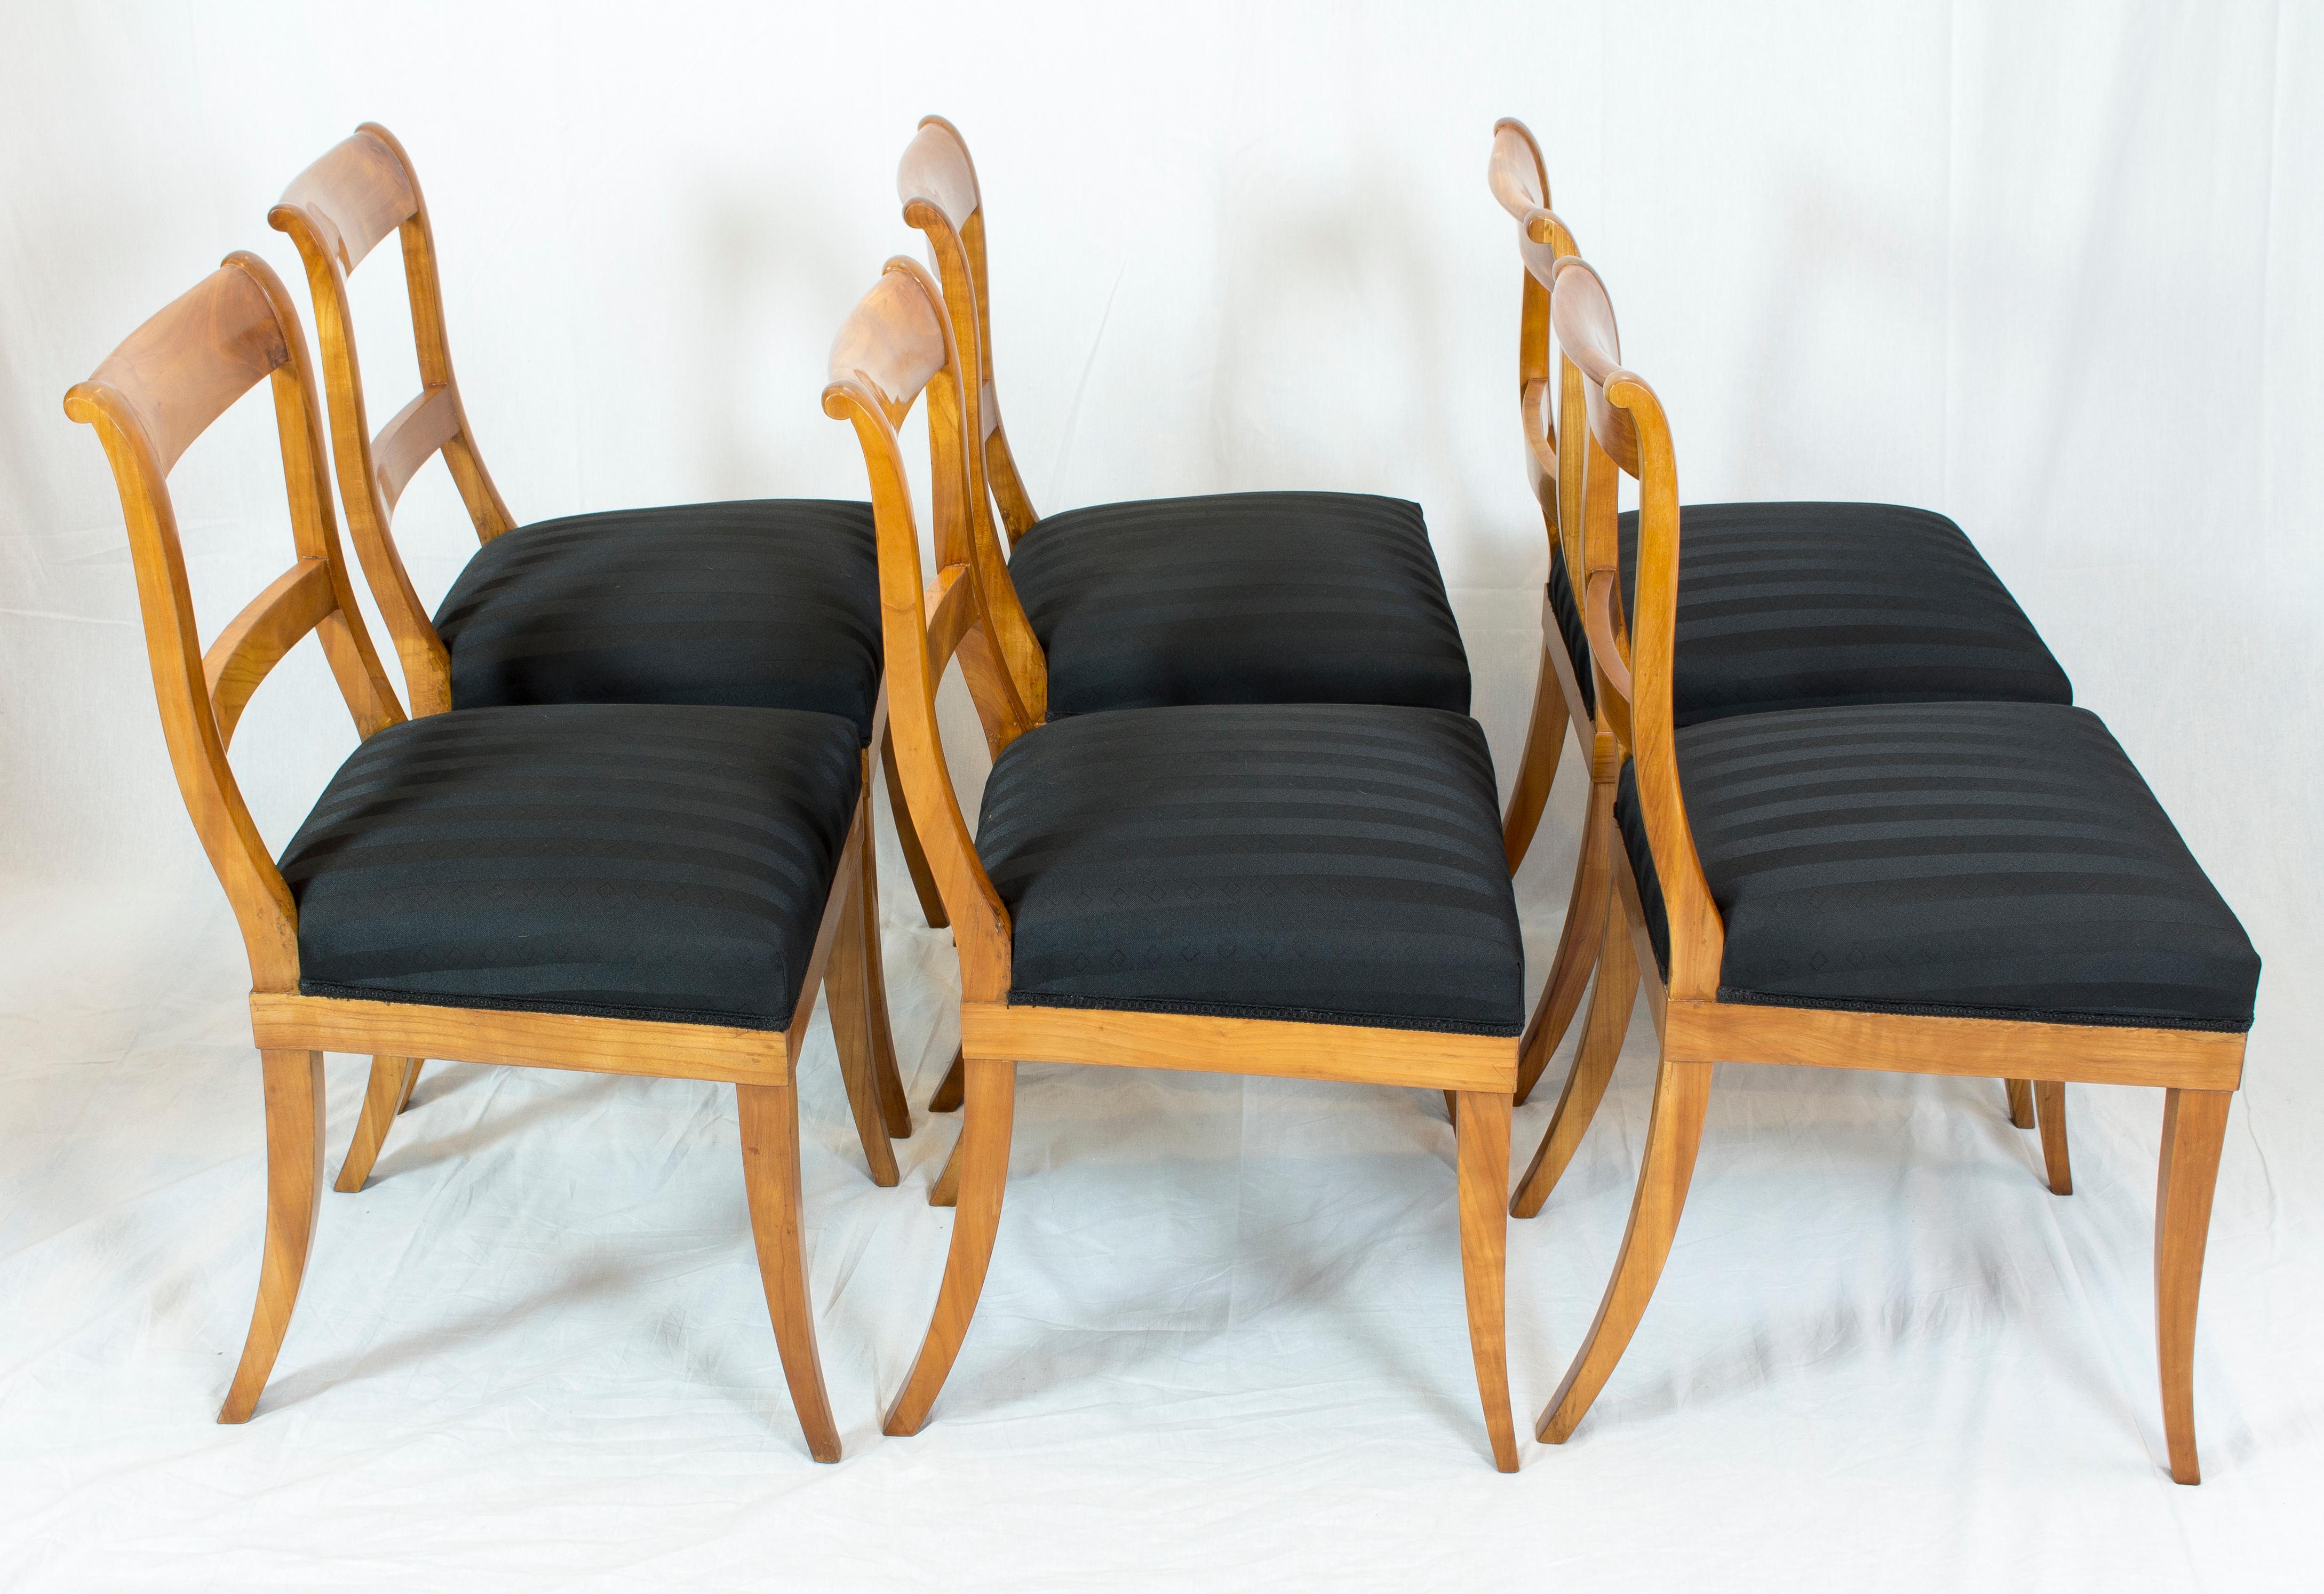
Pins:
x: 1586, y: 913
x: 984, y: 1131
x: 916, y: 858
x: 844, y: 994
x: 2050, y: 1100
x: 1593, y: 1065
x: 947, y: 1091
x: 2194, y: 1128
x: 893, y: 1108
x: 1674, y: 1134
x: 294, y: 1179
x: 769, y: 1115
x: 1537, y: 766
x: 2021, y: 1102
x: 384, y: 1096
x: 1483, y: 1122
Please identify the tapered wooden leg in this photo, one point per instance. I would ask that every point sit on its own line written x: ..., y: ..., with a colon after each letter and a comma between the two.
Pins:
x: 389, y: 1089
x: 985, y: 1121
x: 2021, y: 1102
x: 1537, y: 768
x: 949, y: 1088
x: 896, y: 1111
x: 1593, y: 1065
x: 1484, y: 1171
x: 844, y: 998
x: 2194, y: 1128
x: 2050, y: 1100
x: 1577, y: 943
x: 945, y: 1191
x: 770, y: 1177
x: 1674, y: 1134
x: 916, y: 858
x: 294, y: 1180
x: 410, y: 1081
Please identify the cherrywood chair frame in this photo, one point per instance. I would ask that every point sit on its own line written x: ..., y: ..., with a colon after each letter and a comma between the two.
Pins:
x: 897, y: 344
x: 148, y: 400
x: 1554, y: 422
x: 1626, y: 433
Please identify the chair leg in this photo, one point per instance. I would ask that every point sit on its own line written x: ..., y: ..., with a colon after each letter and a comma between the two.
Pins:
x: 844, y: 998
x: 2194, y: 1128
x: 947, y: 1091
x: 1577, y: 943
x: 389, y: 1089
x: 2021, y: 1102
x: 2050, y: 1099
x: 945, y: 1191
x: 294, y: 1180
x: 1674, y: 1134
x: 1593, y: 1064
x: 915, y: 857
x: 1538, y: 766
x: 893, y: 1108
x: 1484, y: 1173
x: 769, y: 1115
x: 985, y: 1123
x: 410, y: 1081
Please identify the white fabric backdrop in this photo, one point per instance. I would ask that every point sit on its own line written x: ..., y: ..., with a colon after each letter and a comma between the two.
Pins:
x: 2050, y: 269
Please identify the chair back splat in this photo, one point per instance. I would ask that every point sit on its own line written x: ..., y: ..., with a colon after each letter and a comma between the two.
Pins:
x: 150, y: 400
x: 336, y: 211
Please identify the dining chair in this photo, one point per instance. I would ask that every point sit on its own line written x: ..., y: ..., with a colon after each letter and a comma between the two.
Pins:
x: 1962, y: 887
x: 630, y: 889
x: 1785, y: 605
x: 1306, y: 891
x: 758, y: 603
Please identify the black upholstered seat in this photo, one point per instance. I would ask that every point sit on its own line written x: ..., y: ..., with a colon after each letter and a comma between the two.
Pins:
x: 1983, y: 860
x: 760, y: 603
x: 1241, y: 597
x: 623, y: 861
x: 1328, y: 863
x: 1804, y: 606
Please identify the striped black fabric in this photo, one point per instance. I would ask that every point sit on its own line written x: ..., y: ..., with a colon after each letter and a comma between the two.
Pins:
x: 1993, y: 860
x: 1568, y: 612
x: 1332, y: 864
x: 760, y: 603
x: 624, y: 861
x: 1804, y: 605
x: 1241, y: 597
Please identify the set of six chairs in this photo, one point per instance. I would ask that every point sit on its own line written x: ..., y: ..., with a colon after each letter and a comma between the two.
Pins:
x: 1842, y: 811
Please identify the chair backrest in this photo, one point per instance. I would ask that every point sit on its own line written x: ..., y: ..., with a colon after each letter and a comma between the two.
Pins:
x: 1627, y: 434
x: 336, y: 211
x: 1520, y: 182
x: 152, y: 396
x: 896, y: 345
x: 936, y: 182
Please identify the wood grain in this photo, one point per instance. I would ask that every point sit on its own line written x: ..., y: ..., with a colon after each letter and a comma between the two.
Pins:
x: 1267, y: 1047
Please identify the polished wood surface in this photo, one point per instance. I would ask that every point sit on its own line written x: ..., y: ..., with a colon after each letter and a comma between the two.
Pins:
x: 881, y: 365
x: 2194, y: 1129
x: 384, y: 1094
x: 294, y: 1182
x: 2050, y: 1096
x: 1593, y: 1067
x: 2021, y: 1102
x: 769, y: 1116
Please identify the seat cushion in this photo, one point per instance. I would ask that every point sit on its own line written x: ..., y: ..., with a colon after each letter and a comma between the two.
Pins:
x: 609, y: 858
x: 1332, y: 864
x: 1975, y: 860
x: 1242, y: 597
x: 761, y: 603
x: 1804, y: 605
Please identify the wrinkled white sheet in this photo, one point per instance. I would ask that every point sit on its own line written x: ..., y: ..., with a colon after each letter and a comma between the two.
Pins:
x: 2050, y: 269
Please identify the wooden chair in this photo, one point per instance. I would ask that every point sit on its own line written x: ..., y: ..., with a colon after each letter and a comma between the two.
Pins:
x: 1792, y: 605
x: 1210, y: 886
x: 619, y: 888
x: 1938, y: 888
x: 766, y: 603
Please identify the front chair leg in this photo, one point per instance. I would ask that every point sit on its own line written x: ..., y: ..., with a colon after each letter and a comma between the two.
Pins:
x: 1674, y: 1134
x: 2050, y: 1102
x: 1586, y: 912
x: 769, y: 1115
x: 384, y: 1095
x: 1483, y: 1132
x: 294, y: 1180
x: 2194, y: 1128
x: 985, y: 1122
x: 1593, y: 1065
x: 845, y: 999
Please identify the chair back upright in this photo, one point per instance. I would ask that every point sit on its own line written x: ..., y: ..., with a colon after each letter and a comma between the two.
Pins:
x: 896, y: 345
x: 152, y: 397
x: 1626, y: 433
x: 336, y: 211
x: 1520, y: 182
x: 936, y: 182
